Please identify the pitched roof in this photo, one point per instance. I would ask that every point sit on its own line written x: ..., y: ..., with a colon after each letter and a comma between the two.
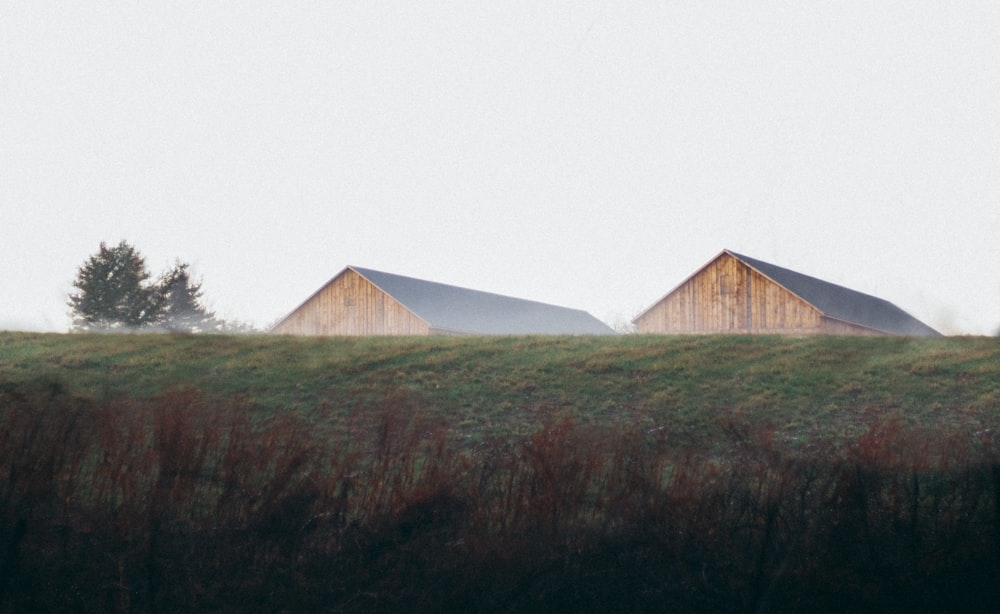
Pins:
x: 456, y: 309
x: 831, y: 300
x: 842, y: 303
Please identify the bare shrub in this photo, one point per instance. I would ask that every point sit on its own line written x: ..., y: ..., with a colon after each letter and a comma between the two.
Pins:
x: 184, y: 502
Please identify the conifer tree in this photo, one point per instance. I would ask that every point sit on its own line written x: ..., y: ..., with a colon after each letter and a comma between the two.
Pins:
x: 113, y: 293
x: 182, y: 308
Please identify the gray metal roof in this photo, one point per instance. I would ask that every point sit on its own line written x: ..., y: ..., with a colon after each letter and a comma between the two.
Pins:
x: 843, y: 303
x: 456, y: 309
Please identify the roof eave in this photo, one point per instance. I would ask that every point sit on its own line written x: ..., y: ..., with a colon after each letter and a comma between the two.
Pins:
x: 788, y: 290
x: 859, y: 324
x: 830, y: 317
x: 636, y: 319
x: 430, y: 326
x: 311, y: 297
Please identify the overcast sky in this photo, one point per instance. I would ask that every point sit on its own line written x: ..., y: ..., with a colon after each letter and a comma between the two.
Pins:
x: 586, y: 154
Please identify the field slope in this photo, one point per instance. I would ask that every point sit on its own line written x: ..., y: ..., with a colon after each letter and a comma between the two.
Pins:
x: 800, y: 388
x: 159, y: 473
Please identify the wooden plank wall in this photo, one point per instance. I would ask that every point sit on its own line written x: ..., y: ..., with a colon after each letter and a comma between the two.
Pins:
x: 831, y: 326
x: 351, y: 305
x: 728, y: 296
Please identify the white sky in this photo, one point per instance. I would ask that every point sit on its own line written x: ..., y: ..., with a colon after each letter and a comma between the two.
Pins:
x: 586, y: 154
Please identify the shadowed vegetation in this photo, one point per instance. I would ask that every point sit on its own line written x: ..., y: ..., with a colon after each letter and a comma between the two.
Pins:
x: 699, y: 474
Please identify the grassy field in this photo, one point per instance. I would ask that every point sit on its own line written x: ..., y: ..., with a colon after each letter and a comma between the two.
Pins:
x: 804, y: 389
x: 153, y: 473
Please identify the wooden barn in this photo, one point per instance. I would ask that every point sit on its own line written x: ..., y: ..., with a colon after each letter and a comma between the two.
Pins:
x: 361, y: 301
x: 738, y: 294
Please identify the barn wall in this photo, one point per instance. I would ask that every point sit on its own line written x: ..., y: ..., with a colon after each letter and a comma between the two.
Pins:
x: 351, y: 305
x: 729, y: 296
x: 831, y: 326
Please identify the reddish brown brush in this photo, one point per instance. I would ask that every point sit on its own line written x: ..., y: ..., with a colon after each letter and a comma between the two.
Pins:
x: 185, y: 502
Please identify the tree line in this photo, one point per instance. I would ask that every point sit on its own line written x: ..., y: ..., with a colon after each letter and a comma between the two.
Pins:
x: 114, y: 292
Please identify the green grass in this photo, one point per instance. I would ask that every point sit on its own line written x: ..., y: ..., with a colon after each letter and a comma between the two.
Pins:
x: 803, y: 389
x: 143, y: 473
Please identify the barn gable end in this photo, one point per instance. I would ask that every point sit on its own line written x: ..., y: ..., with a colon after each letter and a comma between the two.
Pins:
x: 349, y: 304
x: 738, y: 294
x: 361, y: 301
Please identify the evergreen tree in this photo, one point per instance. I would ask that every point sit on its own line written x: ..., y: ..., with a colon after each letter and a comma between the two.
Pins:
x: 182, y: 308
x: 113, y: 293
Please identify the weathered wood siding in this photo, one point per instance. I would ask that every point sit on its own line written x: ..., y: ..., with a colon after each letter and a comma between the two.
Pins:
x: 729, y: 296
x: 351, y: 305
x: 831, y: 326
